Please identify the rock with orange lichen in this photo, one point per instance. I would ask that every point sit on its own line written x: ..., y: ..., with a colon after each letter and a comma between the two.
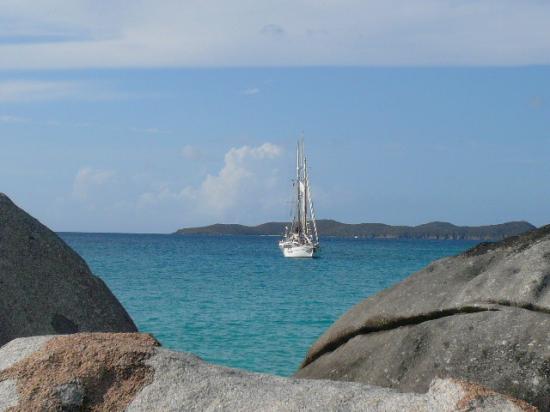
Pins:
x: 46, y: 287
x: 94, y: 371
x: 116, y: 372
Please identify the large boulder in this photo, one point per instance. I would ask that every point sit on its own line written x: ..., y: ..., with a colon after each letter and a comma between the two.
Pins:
x: 115, y: 372
x: 482, y: 316
x: 47, y: 288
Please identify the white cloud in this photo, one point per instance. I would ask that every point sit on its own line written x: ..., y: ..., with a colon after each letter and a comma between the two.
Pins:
x: 251, y: 92
x: 240, y: 174
x: 247, y: 188
x: 33, y: 90
x: 243, y: 188
x: 24, y: 90
x: 172, y: 33
x: 191, y: 153
x: 7, y: 118
x: 88, y: 180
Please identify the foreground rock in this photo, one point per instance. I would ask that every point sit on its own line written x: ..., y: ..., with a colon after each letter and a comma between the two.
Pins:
x: 113, y: 372
x: 482, y: 316
x: 45, y: 287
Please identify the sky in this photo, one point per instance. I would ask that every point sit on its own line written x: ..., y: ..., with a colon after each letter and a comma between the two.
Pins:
x: 150, y: 116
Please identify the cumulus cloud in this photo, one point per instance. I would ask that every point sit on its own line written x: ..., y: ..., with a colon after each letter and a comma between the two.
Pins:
x: 191, y: 153
x: 251, y: 91
x: 246, y: 185
x: 164, y: 33
x: 220, y: 192
x: 88, y: 180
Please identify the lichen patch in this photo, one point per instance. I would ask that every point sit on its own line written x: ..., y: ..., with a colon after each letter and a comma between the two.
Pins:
x: 101, y: 371
x: 475, y: 392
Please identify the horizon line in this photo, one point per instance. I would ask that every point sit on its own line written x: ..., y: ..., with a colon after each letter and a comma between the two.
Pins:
x: 240, y: 224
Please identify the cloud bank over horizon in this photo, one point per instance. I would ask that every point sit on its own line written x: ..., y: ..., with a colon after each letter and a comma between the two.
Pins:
x: 78, y: 34
x: 248, y: 183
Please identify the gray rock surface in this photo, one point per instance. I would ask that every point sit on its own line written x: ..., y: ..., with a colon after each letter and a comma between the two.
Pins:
x: 181, y: 381
x: 184, y: 382
x: 8, y: 394
x: 70, y: 395
x: 47, y: 288
x: 482, y: 316
x: 19, y: 349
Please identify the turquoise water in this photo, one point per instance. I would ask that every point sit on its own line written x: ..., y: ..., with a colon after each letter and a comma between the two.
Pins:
x: 234, y: 300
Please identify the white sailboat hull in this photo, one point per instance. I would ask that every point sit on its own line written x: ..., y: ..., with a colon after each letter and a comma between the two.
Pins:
x: 298, y: 251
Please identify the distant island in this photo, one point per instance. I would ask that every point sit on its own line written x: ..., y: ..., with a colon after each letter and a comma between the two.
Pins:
x: 433, y: 230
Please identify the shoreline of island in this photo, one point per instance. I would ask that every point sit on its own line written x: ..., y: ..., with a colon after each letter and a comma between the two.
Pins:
x: 333, y: 228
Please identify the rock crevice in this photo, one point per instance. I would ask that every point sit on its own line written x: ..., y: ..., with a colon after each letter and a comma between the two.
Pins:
x: 389, y: 324
x: 408, y: 334
x: 385, y: 325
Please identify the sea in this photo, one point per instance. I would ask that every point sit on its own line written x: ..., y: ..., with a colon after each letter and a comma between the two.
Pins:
x: 235, y: 301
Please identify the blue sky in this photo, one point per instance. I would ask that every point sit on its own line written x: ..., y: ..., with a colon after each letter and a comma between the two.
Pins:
x: 130, y: 123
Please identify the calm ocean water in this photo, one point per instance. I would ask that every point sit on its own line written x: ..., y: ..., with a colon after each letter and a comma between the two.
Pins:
x: 234, y: 300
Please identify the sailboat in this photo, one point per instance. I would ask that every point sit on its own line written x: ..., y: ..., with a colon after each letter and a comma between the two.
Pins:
x: 302, y: 239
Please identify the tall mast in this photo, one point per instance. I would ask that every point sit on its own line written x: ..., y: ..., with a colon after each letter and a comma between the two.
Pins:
x: 303, y: 196
x: 298, y: 200
x: 316, y: 238
x: 304, y: 182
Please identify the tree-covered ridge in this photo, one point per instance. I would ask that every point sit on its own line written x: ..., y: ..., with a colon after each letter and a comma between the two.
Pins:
x: 432, y: 230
